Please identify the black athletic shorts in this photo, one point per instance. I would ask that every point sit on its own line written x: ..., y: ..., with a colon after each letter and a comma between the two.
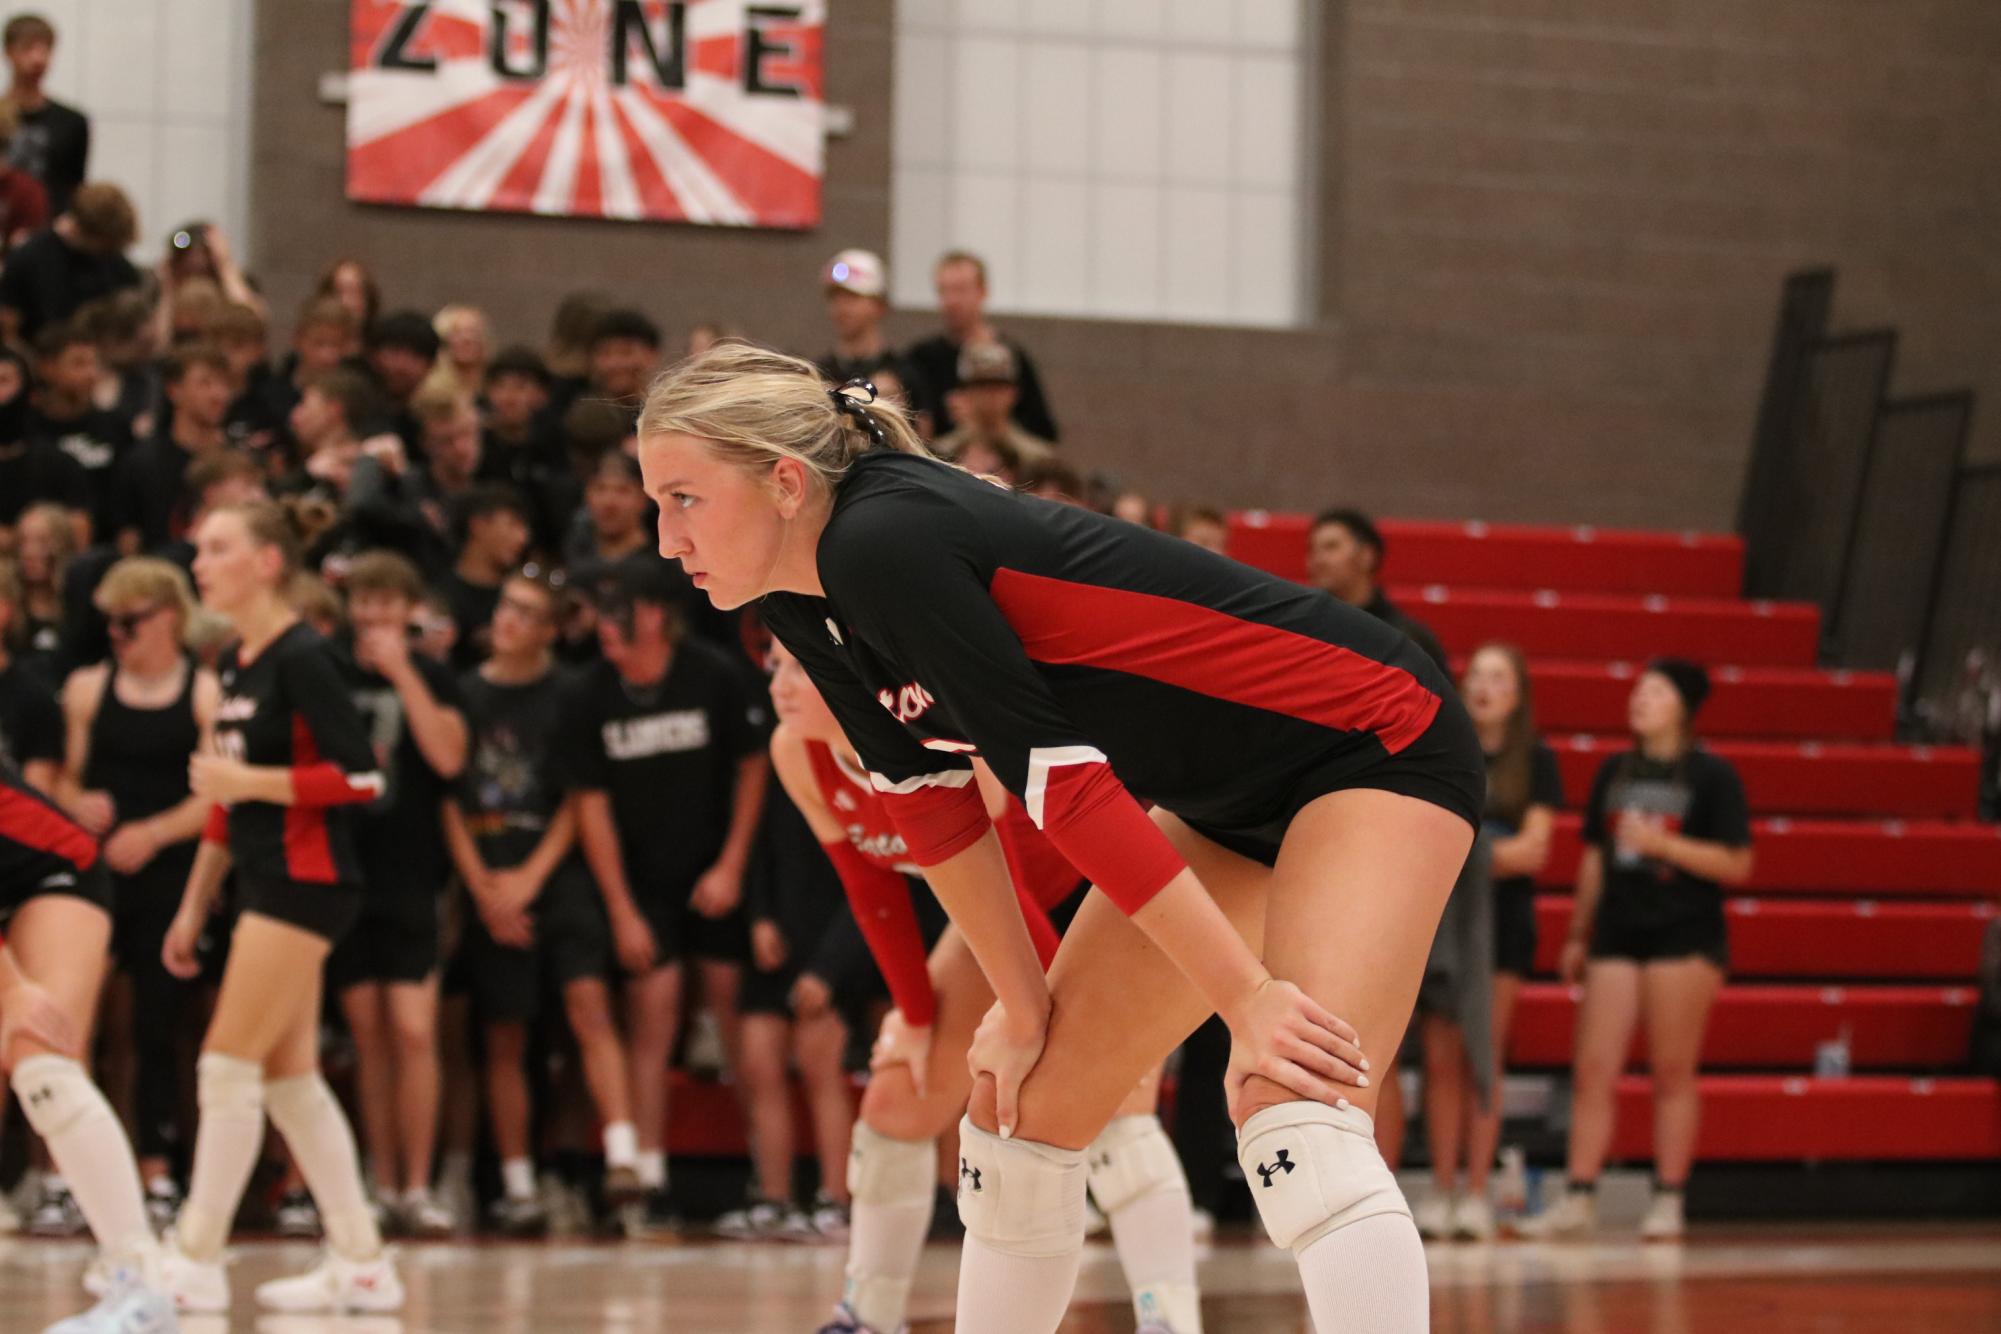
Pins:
x: 1514, y: 927
x: 1443, y: 766
x: 572, y: 940
x: 1620, y: 933
x: 92, y: 886
x: 396, y: 939
x: 328, y: 911
x: 681, y: 934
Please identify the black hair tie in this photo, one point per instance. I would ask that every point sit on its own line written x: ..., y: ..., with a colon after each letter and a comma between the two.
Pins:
x: 854, y: 405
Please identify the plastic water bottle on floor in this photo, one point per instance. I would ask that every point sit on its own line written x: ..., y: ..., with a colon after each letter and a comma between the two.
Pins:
x: 1511, y: 1183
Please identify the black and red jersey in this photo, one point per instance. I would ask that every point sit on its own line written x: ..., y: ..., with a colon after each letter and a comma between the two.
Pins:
x: 1089, y: 662
x: 289, y: 708
x: 40, y: 846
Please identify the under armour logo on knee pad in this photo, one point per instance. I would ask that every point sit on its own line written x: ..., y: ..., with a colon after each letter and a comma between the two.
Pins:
x: 1284, y: 1164
x: 40, y: 1095
x: 1101, y: 1162
x: 967, y: 1172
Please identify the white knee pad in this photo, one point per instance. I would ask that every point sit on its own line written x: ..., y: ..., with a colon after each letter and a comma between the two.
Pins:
x: 55, y: 1093
x: 889, y: 1171
x: 1314, y: 1168
x: 229, y: 1084
x: 1131, y: 1159
x: 291, y: 1101
x: 1020, y: 1198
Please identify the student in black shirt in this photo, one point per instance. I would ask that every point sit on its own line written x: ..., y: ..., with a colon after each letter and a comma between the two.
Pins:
x: 53, y: 143
x: 32, y: 471
x: 150, y: 502
x: 625, y: 352
x: 291, y: 762
x: 962, y: 300
x: 1344, y: 558
x: 538, y: 924
x: 491, y: 532
x: 1524, y: 795
x: 668, y: 761
x: 67, y: 415
x: 132, y: 723
x: 402, y: 348
x: 1666, y: 829
x: 79, y: 259
x: 522, y: 445
x: 386, y: 971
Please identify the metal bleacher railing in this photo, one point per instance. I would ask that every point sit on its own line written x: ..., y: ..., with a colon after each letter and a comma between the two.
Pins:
x: 1863, y: 502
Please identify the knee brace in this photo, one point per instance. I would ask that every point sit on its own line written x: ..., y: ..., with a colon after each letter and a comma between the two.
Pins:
x: 1131, y: 1159
x: 294, y: 1100
x: 889, y: 1171
x: 1018, y: 1197
x: 1314, y: 1168
x: 229, y: 1084
x: 55, y: 1093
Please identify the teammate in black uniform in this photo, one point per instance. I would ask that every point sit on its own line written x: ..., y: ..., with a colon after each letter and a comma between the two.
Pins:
x: 512, y: 832
x: 1307, y: 763
x: 668, y: 763
x: 55, y: 907
x: 291, y: 761
x: 386, y: 970
x: 132, y: 723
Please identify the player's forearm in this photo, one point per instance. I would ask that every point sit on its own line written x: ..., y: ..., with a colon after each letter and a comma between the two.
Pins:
x: 212, y: 862
x: 1584, y: 903
x: 556, y: 843
x: 1708, y: 861
x: 978, y: 894
x: 1191, y: 930
x: 440, y: 733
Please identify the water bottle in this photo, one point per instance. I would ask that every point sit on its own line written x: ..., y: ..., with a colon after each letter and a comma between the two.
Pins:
x: 1511, y: 1183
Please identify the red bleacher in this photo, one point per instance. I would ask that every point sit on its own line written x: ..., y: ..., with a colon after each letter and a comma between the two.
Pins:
x: 1598, y: 625
x: 1789, y: 1118
x: 1824, y: 938
x: 1580, y: 560
x: 1877, y: 857
x: 1811, y: 778
x: 1771, y: 703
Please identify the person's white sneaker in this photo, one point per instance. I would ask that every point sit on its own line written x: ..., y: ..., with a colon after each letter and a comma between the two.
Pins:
x: 1575, y: 1214
x: 1664, y: 1220
x: 1433, y: 1216
x: 130, y: 1307
x: 1472, y: 1218
x: 337, y: 1285
x: 198, y: 1287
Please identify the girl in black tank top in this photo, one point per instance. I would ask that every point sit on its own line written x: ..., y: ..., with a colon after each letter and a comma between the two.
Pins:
x: 140, y: 756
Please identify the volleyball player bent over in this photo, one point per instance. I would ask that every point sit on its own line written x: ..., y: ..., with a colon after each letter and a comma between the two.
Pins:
x: 920, y: 1080
x: 1316, y: 789
x: 55, y: 902
x: 291, y: 757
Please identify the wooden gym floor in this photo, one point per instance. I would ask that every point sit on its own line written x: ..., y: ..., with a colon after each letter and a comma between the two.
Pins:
x: 1761, y: 1280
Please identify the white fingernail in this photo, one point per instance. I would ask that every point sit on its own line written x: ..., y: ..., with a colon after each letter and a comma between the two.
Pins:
x: 1007, y: 1132
x: 1341, y: 1103
x: 1365, y: 1062
x: 1361, y: 1081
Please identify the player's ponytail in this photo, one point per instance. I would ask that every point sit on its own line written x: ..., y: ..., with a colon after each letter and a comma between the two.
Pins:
x: 271, y: 524
x: 753, y: 406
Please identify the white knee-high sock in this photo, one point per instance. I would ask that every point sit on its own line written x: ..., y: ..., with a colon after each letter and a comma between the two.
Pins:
x: 1137, y: 1179
x: 892, y: 1185
x: 1368, y: 1276
x: 1023, y: 1205
x: 230, y: 1093
x: 309, y: 1117
x: 90, y: 1150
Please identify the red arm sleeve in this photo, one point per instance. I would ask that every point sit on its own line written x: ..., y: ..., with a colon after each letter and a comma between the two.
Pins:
x: 881, y: 902
x: 216, y: 829
x: 325, y: 783
x: 938, y: 823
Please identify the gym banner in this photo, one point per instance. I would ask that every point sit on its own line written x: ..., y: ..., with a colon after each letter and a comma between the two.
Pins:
x: 701, y: 111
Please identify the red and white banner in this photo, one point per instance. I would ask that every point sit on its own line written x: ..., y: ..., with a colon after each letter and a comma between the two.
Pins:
x: 681, y: 110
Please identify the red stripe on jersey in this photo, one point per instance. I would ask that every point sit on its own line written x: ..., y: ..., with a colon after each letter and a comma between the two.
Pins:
x: 308, y: 849
x: 33, y: 823
x: 1180, y: 644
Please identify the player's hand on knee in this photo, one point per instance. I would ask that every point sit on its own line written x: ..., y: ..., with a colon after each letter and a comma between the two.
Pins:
x: 1284, y: 1035
x: 1006, y: 1047
x: 903, y: 1043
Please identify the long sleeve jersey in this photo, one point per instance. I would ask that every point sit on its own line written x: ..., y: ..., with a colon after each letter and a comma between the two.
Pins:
x: 1088, y: 662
